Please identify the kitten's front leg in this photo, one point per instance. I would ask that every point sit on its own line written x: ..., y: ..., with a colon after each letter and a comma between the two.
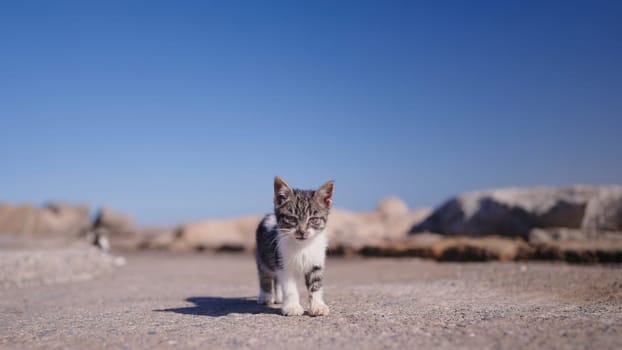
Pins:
x: 313, y: 280
x: 266, y: 289
x: 291, y: 301
x: 278, y: 292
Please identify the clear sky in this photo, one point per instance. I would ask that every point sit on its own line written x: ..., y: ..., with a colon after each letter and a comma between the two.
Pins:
x: 182, y: 110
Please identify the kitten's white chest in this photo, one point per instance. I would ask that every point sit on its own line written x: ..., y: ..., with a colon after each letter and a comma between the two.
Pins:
x: 302, y: 256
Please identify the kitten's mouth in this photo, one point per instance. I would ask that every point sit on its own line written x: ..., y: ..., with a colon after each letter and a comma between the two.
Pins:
x: 300, y: 238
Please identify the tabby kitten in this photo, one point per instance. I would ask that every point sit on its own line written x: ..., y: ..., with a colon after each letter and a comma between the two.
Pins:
x: 290, y: 243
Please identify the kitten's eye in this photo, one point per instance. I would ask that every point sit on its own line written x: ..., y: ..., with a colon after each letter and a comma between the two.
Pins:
x: 290, y: 220
x: 315, y: 221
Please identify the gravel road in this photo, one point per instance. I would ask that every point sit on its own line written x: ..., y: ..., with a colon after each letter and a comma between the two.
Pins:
x: 165, y: 300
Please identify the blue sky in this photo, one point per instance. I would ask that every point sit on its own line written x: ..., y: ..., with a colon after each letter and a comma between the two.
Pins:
x: 183, y: 110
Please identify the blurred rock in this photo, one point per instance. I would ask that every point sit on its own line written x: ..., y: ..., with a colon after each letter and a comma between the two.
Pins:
x: 68, y: 219
x: 542, y: 236
x: 350, y: 231
x: 577, y: 224
x: 400, y: 226
x: 227, y: 234
x: 392, y: 207
x: 481, y: 249
x: 158, y: 237
x: 115, y: 222
x: 421, y: 245
x: 20, y: 219
x: 122, y: 233
x: 576, y: 245
x: 53, y: 218
x: 579, y: 251
x: 443, y: 248
x: 515, y: 211
x: 604, y: 211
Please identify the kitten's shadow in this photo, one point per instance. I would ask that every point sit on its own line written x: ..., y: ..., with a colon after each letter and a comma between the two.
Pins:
x: 219, y: 306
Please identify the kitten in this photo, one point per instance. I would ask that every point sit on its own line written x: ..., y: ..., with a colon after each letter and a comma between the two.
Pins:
x: 290, y: 243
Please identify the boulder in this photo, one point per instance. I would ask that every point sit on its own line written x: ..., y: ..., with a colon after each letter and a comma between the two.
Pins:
x: 480, y: 249
x: 350, y: 231
x: 443, y: 248
x: 515, y: 211
x: 226, y: 234
x: 53, y: 218
x: 115, y: 222
x: 392, y: 207
x: 399, y: 226
x: 557, y: 234
x: 121, y: 231
x: 576, y: 245
x: 73, y: 220
x: 21, y: 219
x: 157, y: 237
x: 604, y: 211
x: 421, y: 246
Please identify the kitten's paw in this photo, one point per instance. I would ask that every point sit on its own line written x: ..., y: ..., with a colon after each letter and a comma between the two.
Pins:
x: 318, y: 309
x: 292, y: 310
x: 265, y: 299
x: 278, y: 296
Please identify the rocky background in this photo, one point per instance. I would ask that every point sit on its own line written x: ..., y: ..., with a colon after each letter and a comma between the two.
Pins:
x: 576, y: 224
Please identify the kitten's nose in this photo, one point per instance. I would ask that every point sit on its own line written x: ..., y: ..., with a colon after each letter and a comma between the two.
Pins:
x: 300, y: 234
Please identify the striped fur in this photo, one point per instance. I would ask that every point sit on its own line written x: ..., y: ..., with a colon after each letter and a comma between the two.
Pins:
x: 313, y: 279
x: 292, y: 243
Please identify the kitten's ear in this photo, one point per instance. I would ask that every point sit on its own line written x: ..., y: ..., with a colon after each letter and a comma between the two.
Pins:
x: 282, y: 191
x: 324, y: 194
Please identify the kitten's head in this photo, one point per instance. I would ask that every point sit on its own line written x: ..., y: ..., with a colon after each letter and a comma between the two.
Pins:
x: 301, y: 214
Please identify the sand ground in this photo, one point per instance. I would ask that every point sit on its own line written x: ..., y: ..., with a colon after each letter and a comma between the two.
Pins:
x: 166, y: 300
